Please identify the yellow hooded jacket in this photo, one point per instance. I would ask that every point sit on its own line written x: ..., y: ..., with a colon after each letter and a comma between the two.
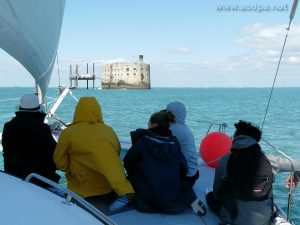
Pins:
x: 88, y: 151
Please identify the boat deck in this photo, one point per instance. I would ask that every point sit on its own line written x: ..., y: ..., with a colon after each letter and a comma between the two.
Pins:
x: 187, y: 217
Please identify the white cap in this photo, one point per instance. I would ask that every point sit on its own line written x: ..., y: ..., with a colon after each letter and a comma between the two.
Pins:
x: 30, y: 103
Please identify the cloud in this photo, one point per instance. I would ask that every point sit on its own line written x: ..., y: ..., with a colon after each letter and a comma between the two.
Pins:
x: 181, y: 51
x: 98, y: 61
x: 293, y: 59
x: 267, y: 41
x: 118, y: 60
x: 253, y: 66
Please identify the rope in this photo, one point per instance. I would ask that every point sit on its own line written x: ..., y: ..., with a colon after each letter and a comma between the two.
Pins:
x: 278, y: 65
x: 51, y: 98
x: 73, y: 96
x: 51, y: 102
x: 60, y: 24
x: 57, y: 69
x: 211, y: 161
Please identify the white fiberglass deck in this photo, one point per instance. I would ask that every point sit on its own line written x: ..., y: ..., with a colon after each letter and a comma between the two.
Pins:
x: 205, y: 181
x: 27, y: 204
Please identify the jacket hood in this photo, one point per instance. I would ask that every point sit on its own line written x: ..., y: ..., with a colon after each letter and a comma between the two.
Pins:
x: 156, y: 131
x: 161, y: 131
x: 162, y: 148
x: 178, y: 110
x: 88, y: 110
x: 137, y: 134
x: 242, y: 142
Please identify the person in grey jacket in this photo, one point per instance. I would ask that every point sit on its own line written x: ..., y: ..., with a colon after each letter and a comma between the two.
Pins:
x: 186, y: 139
x: 223, y: 199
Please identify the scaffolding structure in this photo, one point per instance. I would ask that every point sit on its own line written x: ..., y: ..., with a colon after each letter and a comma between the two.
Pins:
x: 75, y: 76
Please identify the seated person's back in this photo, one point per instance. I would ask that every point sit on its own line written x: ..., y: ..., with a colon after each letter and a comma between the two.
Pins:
x: 28, y: 145
x: 156, y: 169
x: 88, y: 151
x: 243, y: 191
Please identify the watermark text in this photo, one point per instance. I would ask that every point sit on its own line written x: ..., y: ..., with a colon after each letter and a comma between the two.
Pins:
x: 252, y: 8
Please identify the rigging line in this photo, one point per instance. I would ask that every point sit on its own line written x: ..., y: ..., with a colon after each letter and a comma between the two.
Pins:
x: 60, y: 23
x: 57, y: 65
x: 277, y: 69
x: 209, y: 162
x: 57, y: 69
x: 292, y: 14
x: 51, y: 98
x: 270, y: 96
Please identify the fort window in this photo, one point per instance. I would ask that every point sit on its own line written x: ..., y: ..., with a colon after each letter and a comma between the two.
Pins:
x: 127, y: 69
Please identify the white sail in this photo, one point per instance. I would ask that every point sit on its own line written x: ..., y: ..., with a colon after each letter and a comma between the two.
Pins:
x: 29, y: 32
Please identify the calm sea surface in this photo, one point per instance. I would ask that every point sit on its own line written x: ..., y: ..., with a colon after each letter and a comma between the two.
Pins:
x: 126, y: 110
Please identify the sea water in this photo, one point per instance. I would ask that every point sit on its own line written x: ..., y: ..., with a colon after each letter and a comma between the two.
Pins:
x: 126, y: 110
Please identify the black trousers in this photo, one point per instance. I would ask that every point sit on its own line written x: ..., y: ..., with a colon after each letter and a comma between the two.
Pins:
x: 102, y: 202
x: 191, y: 180
x: 214, y: 205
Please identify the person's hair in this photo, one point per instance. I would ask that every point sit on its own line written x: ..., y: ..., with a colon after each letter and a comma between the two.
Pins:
x: 246, y: 128
x: 171, y: 117
x: 162, y: 119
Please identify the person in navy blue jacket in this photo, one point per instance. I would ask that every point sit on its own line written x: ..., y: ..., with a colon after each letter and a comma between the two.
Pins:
x: 156, y: 169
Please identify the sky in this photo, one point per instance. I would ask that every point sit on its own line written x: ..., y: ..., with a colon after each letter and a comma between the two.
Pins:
x: 189, y: 43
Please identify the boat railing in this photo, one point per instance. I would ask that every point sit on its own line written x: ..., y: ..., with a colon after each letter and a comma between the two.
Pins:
x: 291, y: 188
x: 71, y: 197
x: 222, y: 126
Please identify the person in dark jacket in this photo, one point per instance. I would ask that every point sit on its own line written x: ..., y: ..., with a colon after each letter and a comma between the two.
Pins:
x: 242, y: 190
x: 156, y: 168
x: 28, y: 144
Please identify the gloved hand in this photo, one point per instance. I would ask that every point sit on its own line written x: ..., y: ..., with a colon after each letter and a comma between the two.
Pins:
x: 121, y: 204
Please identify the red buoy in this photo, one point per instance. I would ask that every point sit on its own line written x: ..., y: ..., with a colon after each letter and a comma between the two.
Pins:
x: 213, y: 147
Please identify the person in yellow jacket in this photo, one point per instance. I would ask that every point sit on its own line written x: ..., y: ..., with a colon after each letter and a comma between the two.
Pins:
x: 88, y: 151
